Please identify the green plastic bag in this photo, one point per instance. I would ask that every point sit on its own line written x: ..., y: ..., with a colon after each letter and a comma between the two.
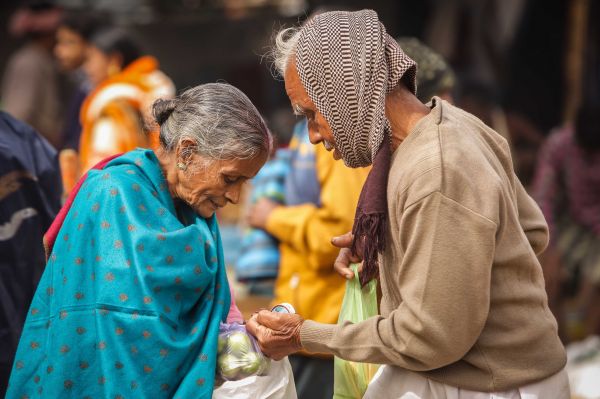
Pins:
x: 352, y: 378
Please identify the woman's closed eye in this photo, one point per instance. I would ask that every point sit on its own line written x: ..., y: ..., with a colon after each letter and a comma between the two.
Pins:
x: 231, y: 179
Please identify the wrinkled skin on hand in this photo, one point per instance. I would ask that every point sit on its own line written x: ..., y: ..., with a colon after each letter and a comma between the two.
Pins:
x: 278, y: 334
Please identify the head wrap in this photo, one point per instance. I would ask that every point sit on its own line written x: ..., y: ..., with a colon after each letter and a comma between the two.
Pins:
x: 347, y: 64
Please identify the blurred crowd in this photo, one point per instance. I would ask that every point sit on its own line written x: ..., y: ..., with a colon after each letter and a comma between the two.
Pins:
x: 80, y: 86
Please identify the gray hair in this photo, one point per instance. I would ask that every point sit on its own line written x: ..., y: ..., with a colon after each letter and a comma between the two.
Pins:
x: 218, y: 117
x: 284, y: 48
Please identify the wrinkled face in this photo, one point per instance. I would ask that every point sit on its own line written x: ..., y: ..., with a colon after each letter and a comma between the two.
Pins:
x: 207, y: 185
x: 70, y: 49
x: 97, y: 65
x: 319, y: 130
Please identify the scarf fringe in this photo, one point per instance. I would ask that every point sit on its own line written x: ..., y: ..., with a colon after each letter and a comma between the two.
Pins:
x: 371, y: 228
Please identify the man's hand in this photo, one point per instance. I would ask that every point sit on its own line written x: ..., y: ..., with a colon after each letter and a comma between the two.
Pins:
x: 259, y: 213
x: 345, y: 257
x: 278, y: 334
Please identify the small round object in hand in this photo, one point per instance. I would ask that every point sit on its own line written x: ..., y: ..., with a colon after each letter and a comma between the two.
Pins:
x: 284, y: 308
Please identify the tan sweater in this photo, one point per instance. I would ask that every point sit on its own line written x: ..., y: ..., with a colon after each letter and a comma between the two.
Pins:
x: 463, y: 292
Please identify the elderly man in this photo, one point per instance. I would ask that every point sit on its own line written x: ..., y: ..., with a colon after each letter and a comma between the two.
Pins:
x: 443, y: 223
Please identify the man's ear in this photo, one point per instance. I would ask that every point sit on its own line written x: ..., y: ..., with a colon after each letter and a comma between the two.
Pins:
x: 186, y: 150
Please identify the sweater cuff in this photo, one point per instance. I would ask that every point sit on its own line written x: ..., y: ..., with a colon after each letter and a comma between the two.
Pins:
x: 315, y: 337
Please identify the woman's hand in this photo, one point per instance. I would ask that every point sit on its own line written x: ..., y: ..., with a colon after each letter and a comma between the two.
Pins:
x: 259, y: 213
x: 278, y: 334
x: 345, y: 257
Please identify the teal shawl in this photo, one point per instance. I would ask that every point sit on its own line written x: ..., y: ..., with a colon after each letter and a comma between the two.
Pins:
x: 130, y: 302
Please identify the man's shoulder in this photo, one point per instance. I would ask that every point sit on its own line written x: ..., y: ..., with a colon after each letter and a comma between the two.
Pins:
x: 455, y: 154
x: 416, y: 168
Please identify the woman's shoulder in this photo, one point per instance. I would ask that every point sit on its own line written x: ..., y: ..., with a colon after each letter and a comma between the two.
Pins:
x: 134, y: 172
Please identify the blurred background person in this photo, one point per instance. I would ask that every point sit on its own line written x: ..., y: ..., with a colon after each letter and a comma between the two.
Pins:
x: 30, y: 193
x: 31, y: 86
x: 72, y: 40
x: 253, y: 254
x: 434, y: 76
x: 481, y: 99
x: 258, y: 264
x: 567, y: 187
x: 116, y: 112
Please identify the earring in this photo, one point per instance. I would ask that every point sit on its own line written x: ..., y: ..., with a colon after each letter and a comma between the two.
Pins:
x: 181, y: 166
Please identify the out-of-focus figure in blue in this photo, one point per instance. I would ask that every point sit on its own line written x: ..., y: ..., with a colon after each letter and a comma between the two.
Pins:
x: 258, y: 263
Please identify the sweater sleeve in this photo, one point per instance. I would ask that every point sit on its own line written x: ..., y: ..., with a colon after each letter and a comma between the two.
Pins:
x: 444, y: 279
x: 308, y: 228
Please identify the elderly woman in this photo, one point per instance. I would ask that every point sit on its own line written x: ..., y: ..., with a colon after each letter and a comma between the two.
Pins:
x: 135, y: 288
x: 442, y: 222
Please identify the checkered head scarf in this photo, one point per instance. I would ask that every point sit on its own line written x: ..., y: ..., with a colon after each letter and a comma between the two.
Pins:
x: 347, y: 64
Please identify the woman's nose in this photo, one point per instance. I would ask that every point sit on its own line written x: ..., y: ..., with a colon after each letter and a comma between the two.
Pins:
x: 233, y: 194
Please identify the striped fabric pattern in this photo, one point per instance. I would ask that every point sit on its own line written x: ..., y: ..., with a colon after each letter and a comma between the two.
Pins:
x: 348, y: 63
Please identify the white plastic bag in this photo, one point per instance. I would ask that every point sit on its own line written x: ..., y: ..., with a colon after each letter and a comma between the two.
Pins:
x: 278, y: 383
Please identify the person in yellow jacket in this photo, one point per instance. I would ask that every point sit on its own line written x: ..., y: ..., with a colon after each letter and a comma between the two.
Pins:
x: 114, y: 117
x: 321, y: 195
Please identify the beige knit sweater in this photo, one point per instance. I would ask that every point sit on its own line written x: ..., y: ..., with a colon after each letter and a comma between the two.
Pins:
x: 463, y: 292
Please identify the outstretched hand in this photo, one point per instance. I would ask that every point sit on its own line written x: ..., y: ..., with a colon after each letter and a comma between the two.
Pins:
x: 278, y: 334
x: 345, y: 257
x: 259, y: 213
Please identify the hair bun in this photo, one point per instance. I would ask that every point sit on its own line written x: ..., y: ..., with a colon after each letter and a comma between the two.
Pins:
x: 162, y: 109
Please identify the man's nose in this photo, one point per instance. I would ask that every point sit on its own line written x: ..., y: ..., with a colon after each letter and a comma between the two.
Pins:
x: 314, y: 136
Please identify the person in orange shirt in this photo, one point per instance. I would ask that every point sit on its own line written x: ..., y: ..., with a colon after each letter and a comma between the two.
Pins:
x: 116, y: 114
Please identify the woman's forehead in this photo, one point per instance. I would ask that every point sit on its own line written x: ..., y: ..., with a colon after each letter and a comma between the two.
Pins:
x: 242, y: 167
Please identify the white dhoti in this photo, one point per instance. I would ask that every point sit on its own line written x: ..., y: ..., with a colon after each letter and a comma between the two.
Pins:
x: 396, y: 383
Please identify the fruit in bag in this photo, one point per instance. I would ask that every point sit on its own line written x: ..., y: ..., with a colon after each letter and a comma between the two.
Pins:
x: 238, y: 354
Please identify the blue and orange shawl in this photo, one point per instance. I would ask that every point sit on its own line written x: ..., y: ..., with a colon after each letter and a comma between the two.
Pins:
x: 132, y: 296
